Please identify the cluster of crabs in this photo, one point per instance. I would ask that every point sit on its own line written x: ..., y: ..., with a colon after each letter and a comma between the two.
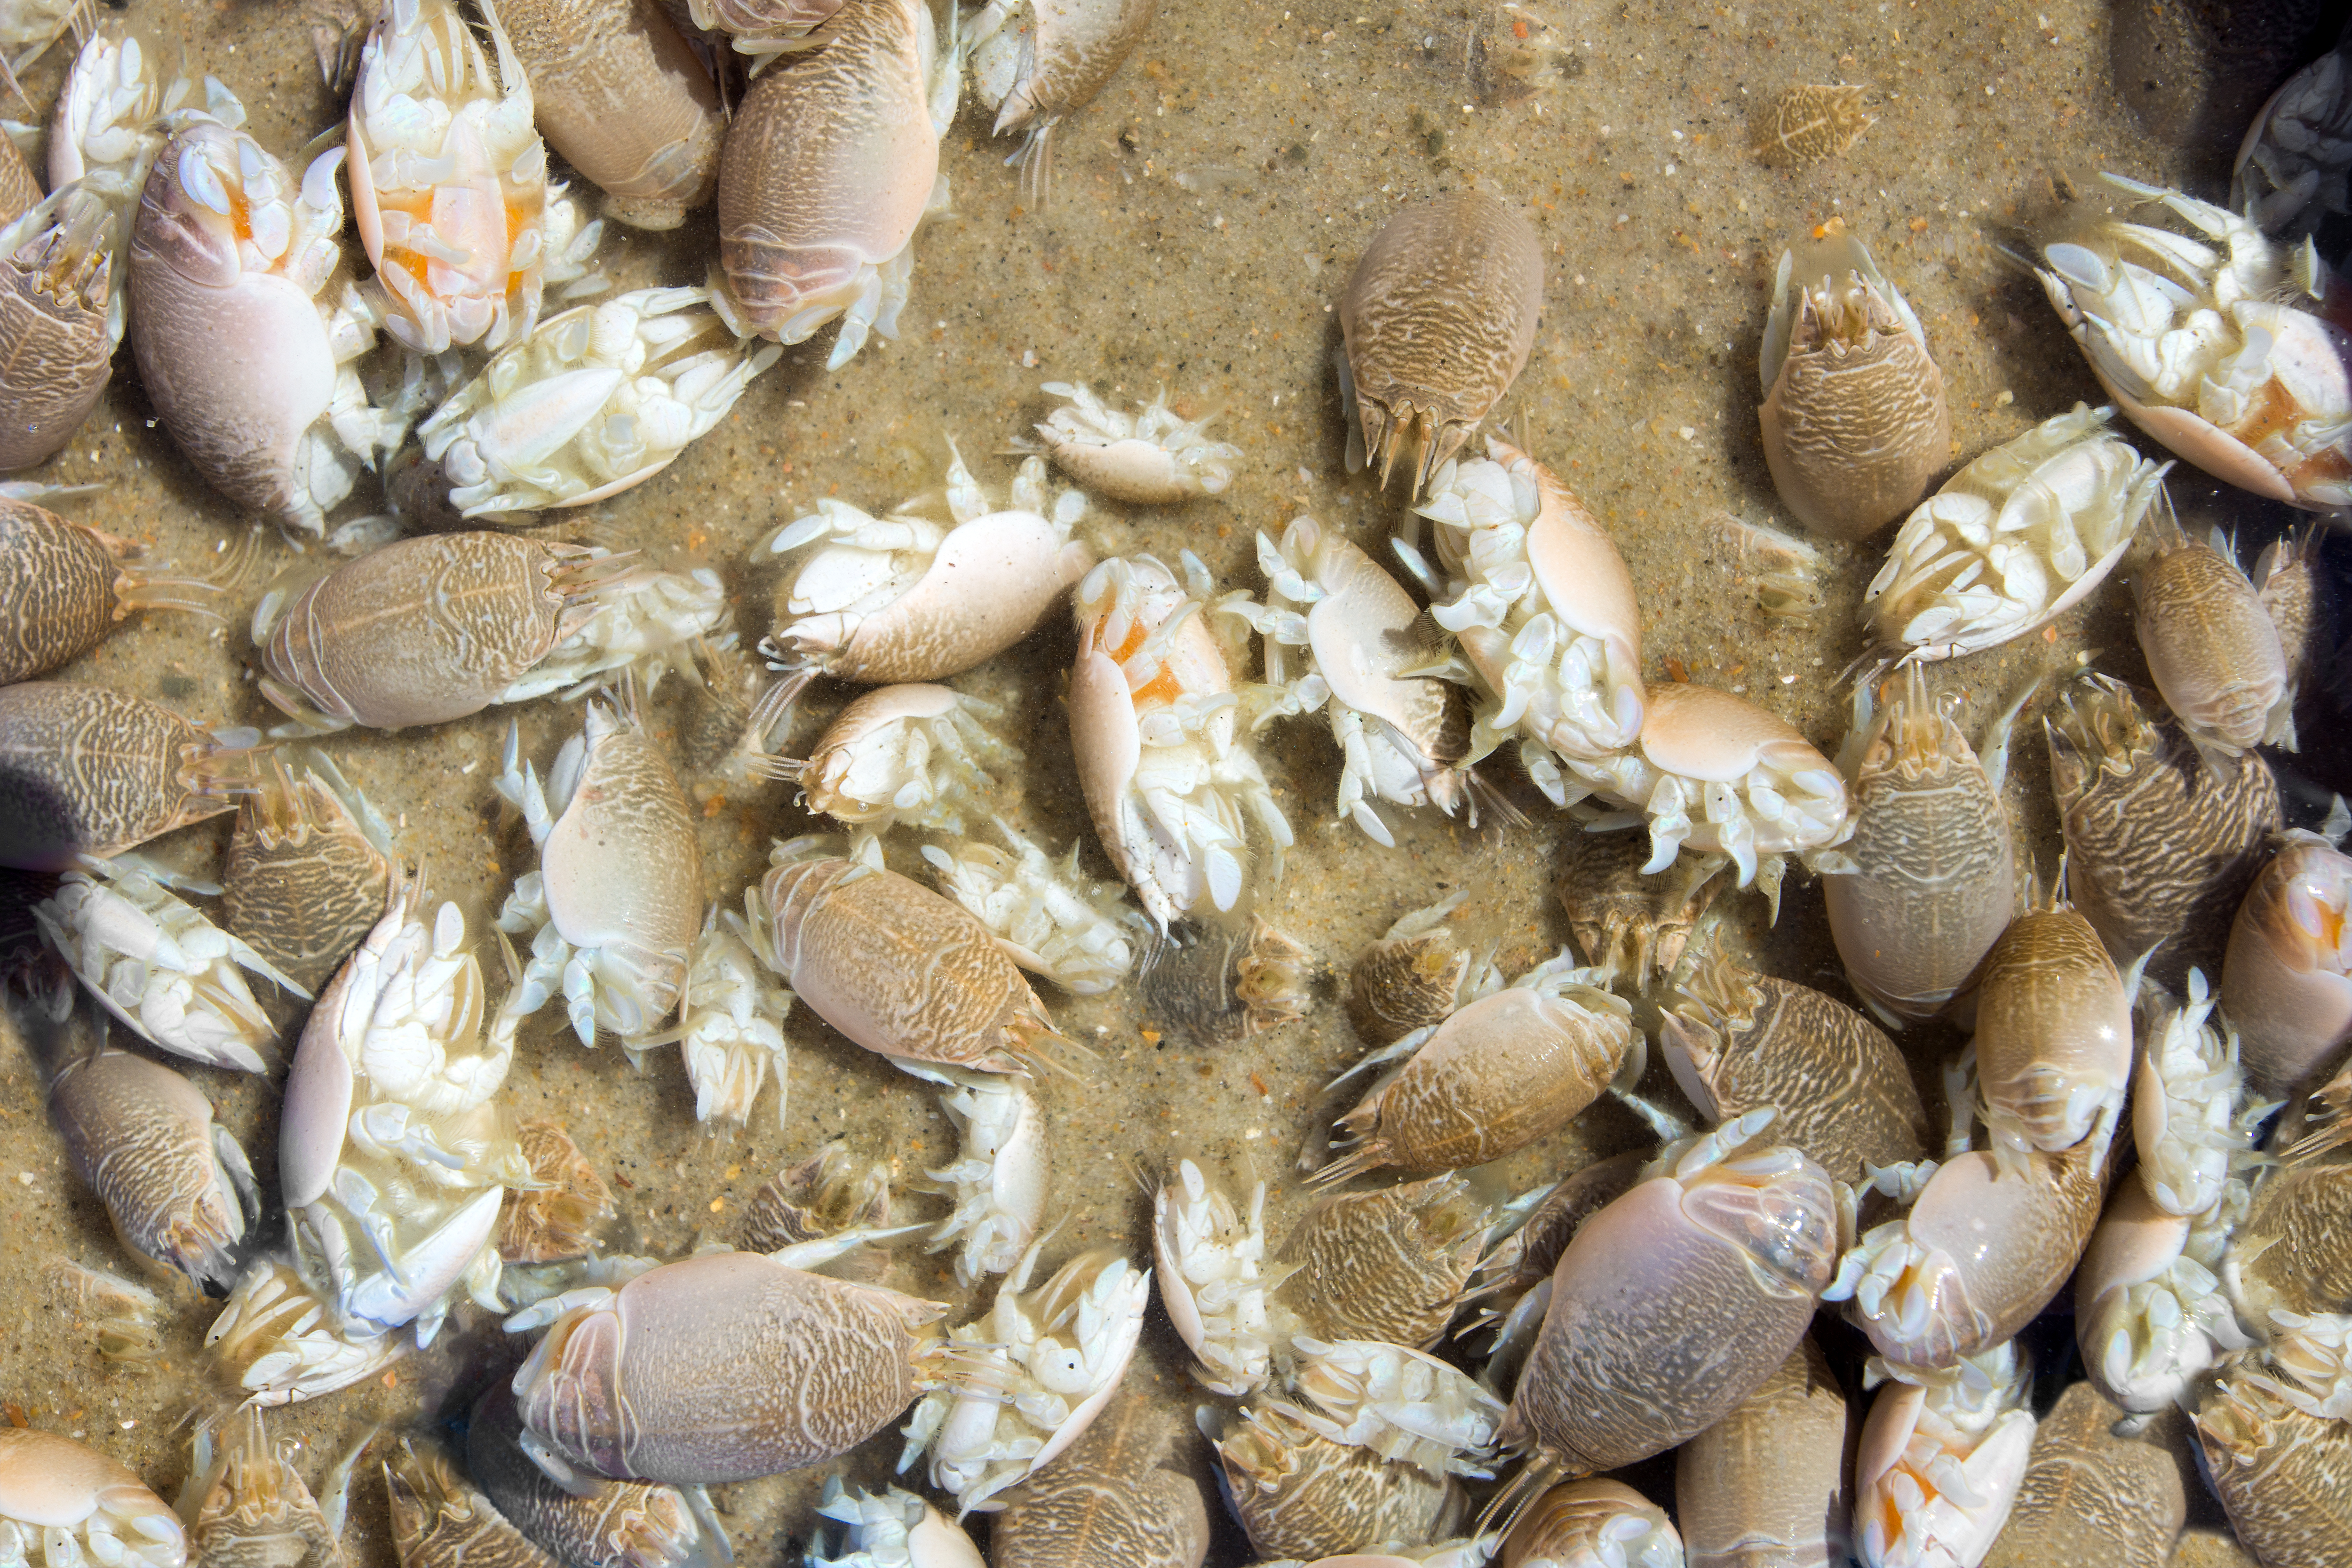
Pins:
x: 2172, y: 1146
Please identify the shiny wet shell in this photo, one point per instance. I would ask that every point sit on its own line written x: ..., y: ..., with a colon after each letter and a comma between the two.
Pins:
x: 2089, y: 1496
x: 1844, y: 1093
x: 1854, y: 422
x: 1767, y: 1485
x: 626, y: 101
x: 2211, y: 648
x: 1936, y: 878
x: 910, y: 971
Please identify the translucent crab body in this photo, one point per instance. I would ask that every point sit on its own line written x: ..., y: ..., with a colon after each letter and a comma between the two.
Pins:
x: 894, y: 966
x: 2152, y: 1311
x: 2215, y: 350
x: 1401, y: 736
x: 1980, y: 1251
x: 2012, y: 540
x: 1503, y: 1071
x: 830, y: 166
x: 892, y: 1529
x: 597, y: 399
x: 1942, y: 1457
x: 448, y: 181
x: 916, y: 753
x: 393, y: 1156
x: 1718, y: 774
x: 1058, y: 1352
x: 1150, y: 457
x: 73, y: 1505
x: 1172, y: 790
x: 175, y: 1183
x: 276, y: 1339
x: 757, y: 1366
x: 1055, y: 919
x: 106, y: 129
x: 156, y: 963
x: 732, y: 1025
x: 1543, y: 607
x: 997, y: 1180
x: 2286, y: 981
x: 1215, y: 1283
x: 902, y: 598
x: 1036, y: 64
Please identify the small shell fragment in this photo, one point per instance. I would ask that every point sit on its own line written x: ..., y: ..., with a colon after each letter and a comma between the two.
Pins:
x: 555, y: 1217
x: 1810, y: 124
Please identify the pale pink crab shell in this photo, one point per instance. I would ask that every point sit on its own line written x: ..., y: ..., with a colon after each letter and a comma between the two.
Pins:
x: 884, y: 706
x: 1700, y: 732
x: 936, y: 1542
x: 469, y: 210
x: 1362, y: 608
x: 991, y: 581
x: 240, y: 362
x: 2136, y: 1242
x: 320, y: 1086
x: 1082, y: 1415
x: 52, y: 1481
x: 1577, y: 564
x: 2283, y: 981
x: 1980, y: 1226
x: 1129, y: 468
x: 1887, y: 1432
x: 828, y: 168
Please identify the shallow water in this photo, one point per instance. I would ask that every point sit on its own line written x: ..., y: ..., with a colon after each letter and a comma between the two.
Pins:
x: 1208, y: 206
